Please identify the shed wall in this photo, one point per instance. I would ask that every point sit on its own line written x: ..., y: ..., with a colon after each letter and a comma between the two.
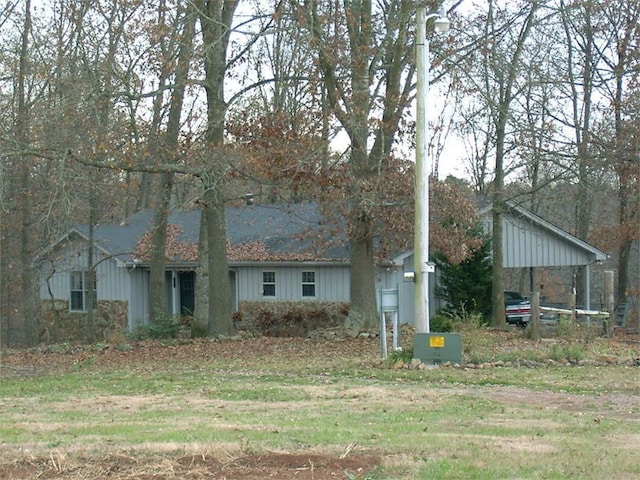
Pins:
x: 526, y: 244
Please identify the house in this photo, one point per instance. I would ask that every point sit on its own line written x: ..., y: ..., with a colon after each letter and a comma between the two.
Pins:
x: 275, y: 253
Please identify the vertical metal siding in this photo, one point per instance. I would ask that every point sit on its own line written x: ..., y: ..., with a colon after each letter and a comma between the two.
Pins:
x: 138, y: 297
x: 528, y: 245
x: 332, y: 283
x: 113, y: 282
x: 250, y: 283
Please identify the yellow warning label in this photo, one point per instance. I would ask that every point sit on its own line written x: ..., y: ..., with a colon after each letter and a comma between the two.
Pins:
x: 436, y: 342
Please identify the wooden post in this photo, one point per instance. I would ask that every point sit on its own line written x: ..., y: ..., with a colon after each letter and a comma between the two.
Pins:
x: 535, y: 316
x: 607, y: 323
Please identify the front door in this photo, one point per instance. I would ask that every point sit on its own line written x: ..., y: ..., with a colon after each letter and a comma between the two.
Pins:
x: 187, y: 282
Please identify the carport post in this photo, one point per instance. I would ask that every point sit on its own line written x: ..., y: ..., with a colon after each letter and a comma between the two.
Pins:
x: 587, y: 287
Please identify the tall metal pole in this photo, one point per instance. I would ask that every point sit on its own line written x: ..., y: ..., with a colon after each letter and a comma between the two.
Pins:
x: 421, y: 227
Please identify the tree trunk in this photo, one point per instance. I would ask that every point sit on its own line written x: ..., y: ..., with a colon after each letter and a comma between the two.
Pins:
x: 505, y: 73
x: 201, y: 307
x: 220, y: 320
x: 157, y: 288
x: 363, y: 314
x: 28, y: 319
x: 627, y: 151
x: 215, y: 20
x: 157, y: 284
x: 581, y: 110
x: 89, y: 277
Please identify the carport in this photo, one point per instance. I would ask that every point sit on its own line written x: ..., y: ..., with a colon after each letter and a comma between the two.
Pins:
x: 528, y: 241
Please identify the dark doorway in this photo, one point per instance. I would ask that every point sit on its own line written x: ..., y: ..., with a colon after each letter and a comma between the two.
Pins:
x: 187, y: 282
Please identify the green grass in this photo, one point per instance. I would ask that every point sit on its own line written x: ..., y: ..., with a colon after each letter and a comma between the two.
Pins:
x: 544, y: 422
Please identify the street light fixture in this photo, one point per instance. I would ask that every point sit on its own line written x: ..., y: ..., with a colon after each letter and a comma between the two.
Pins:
x: 422, y: 168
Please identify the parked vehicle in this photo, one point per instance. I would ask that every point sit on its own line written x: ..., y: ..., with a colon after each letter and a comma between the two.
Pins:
x: 517, y: 309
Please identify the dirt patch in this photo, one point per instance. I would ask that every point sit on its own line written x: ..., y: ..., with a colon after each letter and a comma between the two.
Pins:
x: 283, y: 466
x: 603, y: 403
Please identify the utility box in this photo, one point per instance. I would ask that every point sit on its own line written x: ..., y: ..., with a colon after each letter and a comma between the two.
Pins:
x: 436, y: 348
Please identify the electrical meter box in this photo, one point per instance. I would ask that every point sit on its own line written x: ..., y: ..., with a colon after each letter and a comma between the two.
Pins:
x: 437, y: 348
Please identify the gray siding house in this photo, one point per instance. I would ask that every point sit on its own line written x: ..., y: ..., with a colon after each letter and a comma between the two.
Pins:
x: 276, y: 253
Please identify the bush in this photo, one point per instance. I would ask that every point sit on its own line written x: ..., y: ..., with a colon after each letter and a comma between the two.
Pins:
x: 441, y: 323
x: 475, y: 342
x: 574, y: 330
x: 404, y: 356
x: 163, y: 327
x: 290, y: 319
x: 566, y: 328
x: 466, y: 286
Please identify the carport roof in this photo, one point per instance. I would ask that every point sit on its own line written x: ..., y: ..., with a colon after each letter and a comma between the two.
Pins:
x: 531, y: 241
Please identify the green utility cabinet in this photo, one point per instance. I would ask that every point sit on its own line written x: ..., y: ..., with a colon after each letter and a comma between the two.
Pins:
x: 437, y: 348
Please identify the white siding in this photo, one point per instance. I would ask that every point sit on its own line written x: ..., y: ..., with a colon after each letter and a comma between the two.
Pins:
x: 113, y: 282
x: 139, y: 298
x: 332, y: 282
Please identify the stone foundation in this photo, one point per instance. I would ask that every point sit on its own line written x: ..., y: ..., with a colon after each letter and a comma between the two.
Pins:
x: 58, y: 324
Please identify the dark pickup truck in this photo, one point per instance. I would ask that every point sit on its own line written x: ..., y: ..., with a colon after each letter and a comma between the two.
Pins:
x: 517, y: 309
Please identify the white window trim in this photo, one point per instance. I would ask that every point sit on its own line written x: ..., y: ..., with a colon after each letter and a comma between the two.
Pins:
x: 274, y: 283
x: 314, y: 283
x: 83, y: 290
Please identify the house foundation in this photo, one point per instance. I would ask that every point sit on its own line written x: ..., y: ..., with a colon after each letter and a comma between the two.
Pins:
x: 59, y: 324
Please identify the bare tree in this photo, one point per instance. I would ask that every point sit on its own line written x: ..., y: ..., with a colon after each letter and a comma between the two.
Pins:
x: 18, y: 315
x: 502, y: 64
x: 216, y: 18
x: 167, y: 153
x: 624, y: 62
x: 364, y: 58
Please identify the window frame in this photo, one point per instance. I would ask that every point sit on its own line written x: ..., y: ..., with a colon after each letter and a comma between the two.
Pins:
x: 309, y: 283
x: 269, y: 283
x: 80, y: 290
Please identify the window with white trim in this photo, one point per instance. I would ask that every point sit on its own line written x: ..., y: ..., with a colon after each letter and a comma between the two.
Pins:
x: 268, y: 284
x: 308, y: 284
x: 79, y: 291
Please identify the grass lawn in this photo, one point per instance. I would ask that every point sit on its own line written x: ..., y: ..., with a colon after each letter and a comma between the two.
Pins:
x: 310, y: 409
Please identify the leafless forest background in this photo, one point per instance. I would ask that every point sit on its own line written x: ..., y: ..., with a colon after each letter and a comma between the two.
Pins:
x: 114, y: 106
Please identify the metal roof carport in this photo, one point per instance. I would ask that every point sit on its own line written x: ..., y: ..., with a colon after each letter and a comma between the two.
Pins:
x: 528, y: 240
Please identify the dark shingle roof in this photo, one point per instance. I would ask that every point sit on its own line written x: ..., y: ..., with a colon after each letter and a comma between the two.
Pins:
x: 283, y: 229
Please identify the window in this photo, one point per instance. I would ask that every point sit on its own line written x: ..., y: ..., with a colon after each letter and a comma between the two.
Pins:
x: 78, y: 299
x: 308, y: 284
x: 268, y: 284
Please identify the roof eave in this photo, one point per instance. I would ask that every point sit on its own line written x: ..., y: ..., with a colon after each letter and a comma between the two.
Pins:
x: 191, y: 265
